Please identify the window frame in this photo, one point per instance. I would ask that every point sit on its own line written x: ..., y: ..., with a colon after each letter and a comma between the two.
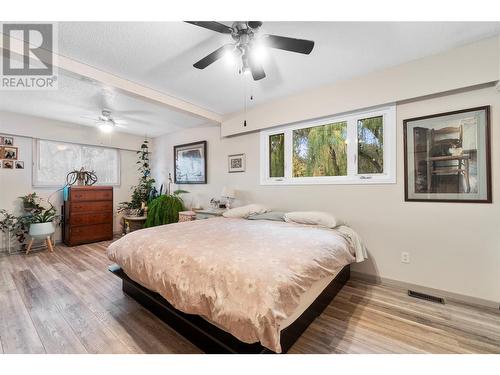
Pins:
x: 36, y: 164
x: 389, y: 150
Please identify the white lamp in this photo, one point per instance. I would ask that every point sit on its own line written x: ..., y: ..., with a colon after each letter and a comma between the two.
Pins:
x: 229, y: 194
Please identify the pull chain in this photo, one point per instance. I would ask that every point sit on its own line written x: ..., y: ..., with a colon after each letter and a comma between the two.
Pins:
x: 245, y: 83
x: 245, y: 100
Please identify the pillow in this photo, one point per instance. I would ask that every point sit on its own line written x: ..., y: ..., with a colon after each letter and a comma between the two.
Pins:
x: 323, y: 219
x: 273, y: 215
x: 246, y: 211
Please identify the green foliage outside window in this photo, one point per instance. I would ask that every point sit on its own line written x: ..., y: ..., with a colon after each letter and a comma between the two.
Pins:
x: 277, y: 155
x: 371, y: 145
x: 320, y: 151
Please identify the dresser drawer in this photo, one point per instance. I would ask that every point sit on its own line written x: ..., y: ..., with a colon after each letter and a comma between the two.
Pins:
x: 92, y: 206
x: 91, y: 218
x: 92, y: 195
x: 91, y: 233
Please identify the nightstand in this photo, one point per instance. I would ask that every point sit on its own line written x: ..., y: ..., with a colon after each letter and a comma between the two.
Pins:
x: 209, y: 213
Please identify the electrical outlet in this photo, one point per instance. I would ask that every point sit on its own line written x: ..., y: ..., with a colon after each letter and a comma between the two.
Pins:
x: 405, y: 257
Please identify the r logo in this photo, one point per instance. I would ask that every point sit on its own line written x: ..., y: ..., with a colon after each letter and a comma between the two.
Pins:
x: 35, y: 42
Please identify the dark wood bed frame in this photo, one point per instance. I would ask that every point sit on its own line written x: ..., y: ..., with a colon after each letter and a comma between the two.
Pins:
x: 211, y: 339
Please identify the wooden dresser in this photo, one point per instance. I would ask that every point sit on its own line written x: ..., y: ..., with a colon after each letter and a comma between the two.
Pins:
x: 88, y: 215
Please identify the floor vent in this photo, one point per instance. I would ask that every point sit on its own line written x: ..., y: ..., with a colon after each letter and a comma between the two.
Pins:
x: 427, y: 297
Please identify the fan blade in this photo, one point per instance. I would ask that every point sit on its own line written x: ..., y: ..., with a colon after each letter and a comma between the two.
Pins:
x: 290, y: 44
x: 254, y: 24
x: 214, y: 56
x: 89, y: 118
x: 256, y: 69
x: 212, y: 25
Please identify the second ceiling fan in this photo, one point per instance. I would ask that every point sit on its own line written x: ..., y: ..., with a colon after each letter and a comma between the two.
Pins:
x: 246, y: 39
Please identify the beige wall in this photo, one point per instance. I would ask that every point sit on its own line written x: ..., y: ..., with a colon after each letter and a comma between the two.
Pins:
x: 454, y: 247
x: 18, y: 182
x: 466, y: 66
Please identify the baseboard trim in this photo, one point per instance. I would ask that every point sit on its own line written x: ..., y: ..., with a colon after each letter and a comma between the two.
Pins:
x: 448, y: 296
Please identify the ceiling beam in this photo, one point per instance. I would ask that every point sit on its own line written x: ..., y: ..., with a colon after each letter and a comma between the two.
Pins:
x: 122, y: 84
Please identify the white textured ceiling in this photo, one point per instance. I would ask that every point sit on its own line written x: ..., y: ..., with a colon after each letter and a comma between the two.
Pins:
x: 161, y: 55
x: 78, y: 100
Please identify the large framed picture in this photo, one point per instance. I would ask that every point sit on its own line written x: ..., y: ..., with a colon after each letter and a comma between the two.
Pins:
x: 190, y: 163
x: 447, y: 157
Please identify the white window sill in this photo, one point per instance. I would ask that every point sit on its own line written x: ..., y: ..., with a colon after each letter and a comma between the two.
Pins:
x: 319, y: 181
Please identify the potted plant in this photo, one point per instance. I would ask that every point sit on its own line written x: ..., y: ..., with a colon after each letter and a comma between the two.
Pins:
x: 31, y: 202
x: 42, y: 226
x: 145, y: 190
x: 165, y: 209
x: 40, y: 218
x: 13, y: 227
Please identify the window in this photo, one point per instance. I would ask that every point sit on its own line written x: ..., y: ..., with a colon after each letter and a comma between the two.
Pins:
x: 54, y: 160
x: 355, y: 148
x: 276, y: 155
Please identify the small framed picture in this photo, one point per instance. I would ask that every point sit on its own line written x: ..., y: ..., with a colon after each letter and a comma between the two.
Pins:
x: 10, y: 153
x: 236, y: 163
x: 19, y: 164
x: 8, y: 164
x: 8, y: 141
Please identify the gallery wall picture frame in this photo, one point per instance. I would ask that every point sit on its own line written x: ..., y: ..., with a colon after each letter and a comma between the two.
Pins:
x: 19, y: 164
x: 190, y: 163
x: 447, y: 157
x: 236, y: 163
x: 8, y: 164
x: 10, y: 152
x: 7, y: 141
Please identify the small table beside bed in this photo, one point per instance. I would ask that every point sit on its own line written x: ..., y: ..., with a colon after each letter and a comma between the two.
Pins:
x: 232, y: 285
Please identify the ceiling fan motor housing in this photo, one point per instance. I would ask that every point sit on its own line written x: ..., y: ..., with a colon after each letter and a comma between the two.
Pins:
x: 243, y: 33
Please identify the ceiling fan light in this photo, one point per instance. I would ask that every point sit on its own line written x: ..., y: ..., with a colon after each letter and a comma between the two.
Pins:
x: 105, y: 127
x: 230, y: 57
x: 259, y: 53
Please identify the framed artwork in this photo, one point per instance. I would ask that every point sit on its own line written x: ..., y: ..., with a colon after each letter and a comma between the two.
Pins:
x: 236, y: 163
x: 9, y: 153
x: 19, y: 164
x: 8, y: 141
x: 447, y: 157
x: 190, y: 163
x: 8, y: 164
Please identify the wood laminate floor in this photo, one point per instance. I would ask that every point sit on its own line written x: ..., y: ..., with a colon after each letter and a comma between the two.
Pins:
x: 67, y: 302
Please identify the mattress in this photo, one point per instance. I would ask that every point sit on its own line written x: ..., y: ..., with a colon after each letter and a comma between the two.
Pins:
x: 307, y: 299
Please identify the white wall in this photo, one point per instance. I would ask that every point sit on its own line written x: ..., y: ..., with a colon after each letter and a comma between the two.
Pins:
x: 18, y: 182
x: 454, y: 246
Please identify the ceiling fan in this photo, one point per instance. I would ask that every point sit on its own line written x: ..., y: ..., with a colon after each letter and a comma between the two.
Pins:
x: 105, y: 122
x: 246, y: 42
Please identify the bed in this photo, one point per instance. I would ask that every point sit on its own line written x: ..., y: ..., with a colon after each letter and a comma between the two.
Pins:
x: 236, y: 285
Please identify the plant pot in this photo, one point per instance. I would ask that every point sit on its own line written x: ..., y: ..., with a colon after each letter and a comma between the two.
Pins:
x: 132, y: 212
x: 41, y: 230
